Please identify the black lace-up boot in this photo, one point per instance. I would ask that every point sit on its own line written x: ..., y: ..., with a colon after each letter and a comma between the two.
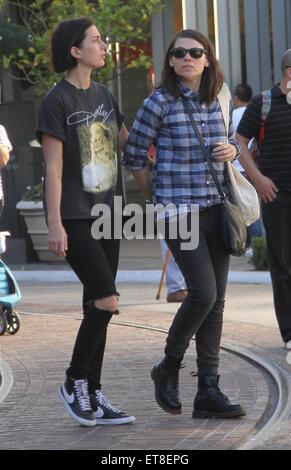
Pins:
x: 210, y: 402
x: 166, y: 378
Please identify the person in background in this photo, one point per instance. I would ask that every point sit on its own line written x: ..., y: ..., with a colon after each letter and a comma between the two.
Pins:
x: 242, y: 96
x: 175, y: 282
x: 271, y: 175
x: 81, y: 129
x: 5, y: 148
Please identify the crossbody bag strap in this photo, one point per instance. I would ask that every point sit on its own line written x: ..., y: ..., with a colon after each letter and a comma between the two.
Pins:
x: 204, y: 150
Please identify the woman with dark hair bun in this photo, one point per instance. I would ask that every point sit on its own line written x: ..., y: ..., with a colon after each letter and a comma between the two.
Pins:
x: 82, y: 131
x: 191, y: 81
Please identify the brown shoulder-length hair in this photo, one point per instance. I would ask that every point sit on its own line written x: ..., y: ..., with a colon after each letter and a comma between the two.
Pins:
x: 212, y: 77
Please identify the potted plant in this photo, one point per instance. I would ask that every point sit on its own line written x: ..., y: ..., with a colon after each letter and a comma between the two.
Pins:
x: 31, y: 208
x: 259, y: 257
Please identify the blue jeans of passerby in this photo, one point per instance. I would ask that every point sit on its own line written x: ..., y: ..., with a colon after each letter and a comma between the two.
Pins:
x: 174, y: 278
x: 255, y: 230
x: 277, y: 222
x: 205, y: 270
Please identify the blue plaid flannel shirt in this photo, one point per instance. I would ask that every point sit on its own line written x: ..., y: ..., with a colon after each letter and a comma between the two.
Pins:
x: 180, y: 174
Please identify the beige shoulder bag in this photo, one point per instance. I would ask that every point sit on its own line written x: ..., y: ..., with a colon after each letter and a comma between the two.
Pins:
x: 242, y: 191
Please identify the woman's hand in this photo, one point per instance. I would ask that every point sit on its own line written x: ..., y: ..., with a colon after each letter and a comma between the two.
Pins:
x: 57, y: 240
x: 224, y: 152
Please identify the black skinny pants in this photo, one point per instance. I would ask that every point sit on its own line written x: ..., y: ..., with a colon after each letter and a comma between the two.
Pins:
x: 95, y: 263
x: 205, y: 270
x: 277, y: 222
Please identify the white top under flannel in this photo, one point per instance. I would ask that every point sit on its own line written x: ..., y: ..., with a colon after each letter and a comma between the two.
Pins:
x: 6, y: 143
x: 180, y: 175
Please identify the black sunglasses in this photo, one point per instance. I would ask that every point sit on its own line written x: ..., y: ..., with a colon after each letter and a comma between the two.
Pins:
x: 180, y: 52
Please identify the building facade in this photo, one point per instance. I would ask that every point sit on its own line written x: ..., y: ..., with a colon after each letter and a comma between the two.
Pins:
x: 250, y: 36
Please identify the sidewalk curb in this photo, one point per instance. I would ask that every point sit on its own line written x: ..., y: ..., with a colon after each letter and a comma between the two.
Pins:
x: 283, y: 383
x: 136, y: 277
x: 6, y: 380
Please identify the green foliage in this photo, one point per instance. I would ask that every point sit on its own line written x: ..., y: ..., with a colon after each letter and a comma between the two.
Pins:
x: 33, y: 193
x: 260, y: 255
x: 13, y: 38
x: 123, y: 22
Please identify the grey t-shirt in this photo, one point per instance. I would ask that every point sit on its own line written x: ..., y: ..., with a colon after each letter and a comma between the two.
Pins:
x: 87, y: 122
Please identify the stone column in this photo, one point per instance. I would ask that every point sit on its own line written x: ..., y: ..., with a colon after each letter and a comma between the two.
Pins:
x: 258, y: 49
x: 162, y: 34
x: 227, y: 39
x: 281, y: 24
x: 195, y: 15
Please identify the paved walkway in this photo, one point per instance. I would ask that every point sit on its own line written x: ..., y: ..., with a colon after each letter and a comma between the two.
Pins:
x: 32, y: 416
x: 140, y: 262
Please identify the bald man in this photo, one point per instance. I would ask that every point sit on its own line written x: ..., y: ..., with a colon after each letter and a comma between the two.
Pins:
x: 272, y: 179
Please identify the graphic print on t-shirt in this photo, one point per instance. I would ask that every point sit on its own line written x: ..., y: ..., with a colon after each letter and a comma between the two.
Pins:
x: 98, y: 156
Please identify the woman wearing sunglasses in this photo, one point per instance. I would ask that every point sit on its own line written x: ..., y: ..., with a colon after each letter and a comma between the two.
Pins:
x: 181, y: 177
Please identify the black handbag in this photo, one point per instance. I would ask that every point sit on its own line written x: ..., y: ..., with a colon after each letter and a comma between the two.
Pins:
x: 233, y: 227
x: 234, y: 230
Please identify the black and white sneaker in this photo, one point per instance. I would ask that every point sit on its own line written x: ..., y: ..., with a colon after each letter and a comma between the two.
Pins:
x: 105, y: 413
x: 74, y: 394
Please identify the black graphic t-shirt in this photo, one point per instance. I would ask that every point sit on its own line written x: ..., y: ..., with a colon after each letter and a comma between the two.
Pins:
x: 87, y: 122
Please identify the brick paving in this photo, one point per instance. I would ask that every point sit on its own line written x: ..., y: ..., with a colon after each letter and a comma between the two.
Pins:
x: 32, y: 417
